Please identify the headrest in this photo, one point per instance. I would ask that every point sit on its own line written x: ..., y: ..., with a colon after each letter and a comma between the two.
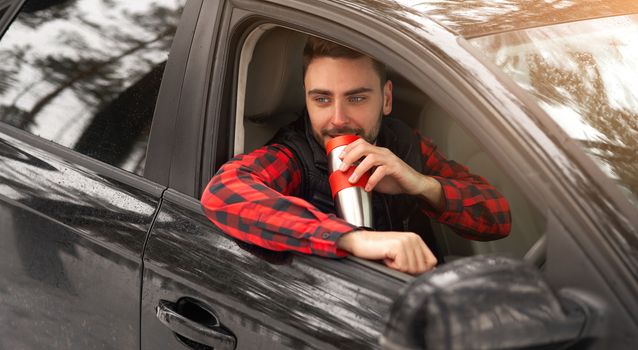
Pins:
x: 275, y: 83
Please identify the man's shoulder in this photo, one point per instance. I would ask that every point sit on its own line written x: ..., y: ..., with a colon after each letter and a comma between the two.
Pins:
x: 395, y: 130
x: 292, y: 140
x: 396, y: 124
x: 294, y: 131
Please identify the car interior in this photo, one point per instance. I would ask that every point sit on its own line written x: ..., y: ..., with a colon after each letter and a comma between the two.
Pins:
x: 271, y: 94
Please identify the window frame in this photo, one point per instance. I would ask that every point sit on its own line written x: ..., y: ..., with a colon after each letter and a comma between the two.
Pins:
x: 12, y: 8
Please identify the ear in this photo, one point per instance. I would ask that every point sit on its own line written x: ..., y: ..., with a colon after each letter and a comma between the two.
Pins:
x: 387, y: 97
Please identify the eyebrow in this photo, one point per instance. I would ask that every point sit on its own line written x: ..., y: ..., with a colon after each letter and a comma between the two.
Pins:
x: 320, y: 92
x: 356, y: 91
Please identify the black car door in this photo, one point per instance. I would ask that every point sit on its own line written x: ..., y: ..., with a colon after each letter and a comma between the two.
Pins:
x: 79, y: 84
x: 200, y: 287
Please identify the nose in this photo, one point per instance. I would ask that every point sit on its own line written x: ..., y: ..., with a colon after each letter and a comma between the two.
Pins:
x: 339, y: 116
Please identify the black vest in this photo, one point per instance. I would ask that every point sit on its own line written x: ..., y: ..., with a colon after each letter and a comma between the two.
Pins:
x: 391, y: 212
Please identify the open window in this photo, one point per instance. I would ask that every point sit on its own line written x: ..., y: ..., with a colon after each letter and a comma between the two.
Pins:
x: 270, y: 85
x: 271, y: 95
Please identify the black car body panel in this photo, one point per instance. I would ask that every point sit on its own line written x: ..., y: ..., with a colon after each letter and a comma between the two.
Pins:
x: 268, y: 299
x: 72, y: 240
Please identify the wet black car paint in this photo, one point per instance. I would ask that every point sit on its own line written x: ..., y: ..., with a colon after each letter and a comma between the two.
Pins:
x: 72, y: 241
x: 268, y: 299
x: 98, y: 265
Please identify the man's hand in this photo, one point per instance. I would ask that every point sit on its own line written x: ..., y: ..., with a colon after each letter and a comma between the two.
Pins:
x: 390, y: 174
x: 403, y: 251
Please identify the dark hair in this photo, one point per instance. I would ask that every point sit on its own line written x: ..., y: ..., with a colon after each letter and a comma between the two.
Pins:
x: 317, y: 47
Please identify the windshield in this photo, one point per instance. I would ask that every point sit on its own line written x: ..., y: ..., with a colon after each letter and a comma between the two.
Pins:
x: 585, y: 76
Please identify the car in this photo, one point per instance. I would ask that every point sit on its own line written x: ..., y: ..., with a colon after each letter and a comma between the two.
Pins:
x: 115, y: 114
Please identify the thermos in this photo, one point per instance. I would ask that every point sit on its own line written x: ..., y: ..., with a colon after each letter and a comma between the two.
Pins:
x: 353, y: 203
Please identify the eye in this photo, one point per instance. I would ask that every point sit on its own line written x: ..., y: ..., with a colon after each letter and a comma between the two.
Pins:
x: 322, y: 99
x: 356, y: 99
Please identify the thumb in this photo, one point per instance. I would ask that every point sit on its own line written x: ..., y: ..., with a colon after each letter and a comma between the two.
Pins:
x: 390, y: 259
x: 390, y: 263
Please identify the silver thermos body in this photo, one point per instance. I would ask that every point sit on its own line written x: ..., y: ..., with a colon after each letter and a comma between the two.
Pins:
x: 352, y: 202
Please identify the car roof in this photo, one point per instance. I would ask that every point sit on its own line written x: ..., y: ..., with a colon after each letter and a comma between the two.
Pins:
x: 472, y: 18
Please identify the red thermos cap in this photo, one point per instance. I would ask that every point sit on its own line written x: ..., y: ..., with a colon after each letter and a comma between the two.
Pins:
x: 339, y: 180
x: 340, y: 141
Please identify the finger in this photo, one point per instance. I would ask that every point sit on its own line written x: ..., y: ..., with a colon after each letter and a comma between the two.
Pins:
x: 414, y: 268
x: 353, y: 153
x: 418, y: 249
x: 366, y: 165
x: 377, y: 175
x: 349, y: 148
x: 398, y: 258
x: 390, y: 260
x: 430, y: 259
x: 400, y: 266
x: 354, y: 145
x: 410, y: 254
x: 391, y: 264
x: 420, y: 252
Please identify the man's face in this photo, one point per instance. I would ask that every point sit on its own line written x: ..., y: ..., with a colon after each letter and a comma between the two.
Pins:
x: 344, y: 96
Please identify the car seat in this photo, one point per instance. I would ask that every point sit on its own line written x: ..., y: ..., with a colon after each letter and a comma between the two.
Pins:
x: 274, y: 87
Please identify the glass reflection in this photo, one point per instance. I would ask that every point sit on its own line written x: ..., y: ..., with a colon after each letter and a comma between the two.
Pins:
x: 583, y: 75
x: 86, y: 73
x: 107, y: 210
x: 472, y: 18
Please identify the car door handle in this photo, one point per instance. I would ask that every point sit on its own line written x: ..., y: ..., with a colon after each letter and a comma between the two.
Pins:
x: 190, y: 319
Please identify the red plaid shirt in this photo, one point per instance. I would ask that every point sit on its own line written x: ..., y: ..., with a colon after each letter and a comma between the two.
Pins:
x: 252, y: 198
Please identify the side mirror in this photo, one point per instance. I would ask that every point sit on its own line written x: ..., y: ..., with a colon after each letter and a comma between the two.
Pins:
x: 482, y: 302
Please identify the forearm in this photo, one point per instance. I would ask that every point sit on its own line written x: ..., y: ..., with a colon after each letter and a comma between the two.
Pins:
x: 475, y: 211
x: 403, y: 251
x: 432, y: 193
x: 253, y: 203
x: 467, y: 202
x: 298, y: 228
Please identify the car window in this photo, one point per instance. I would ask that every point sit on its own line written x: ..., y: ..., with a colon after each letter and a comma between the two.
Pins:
x: 583, y: 75
x: 85, y: 74
x: 274, y: 53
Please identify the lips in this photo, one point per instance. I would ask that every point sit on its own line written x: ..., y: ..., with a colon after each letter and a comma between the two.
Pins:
x: 337, y: 135
x: 342, y: 131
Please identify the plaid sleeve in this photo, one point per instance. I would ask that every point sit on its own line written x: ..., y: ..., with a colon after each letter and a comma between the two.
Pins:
x: 473, y: 208
x: 252, y: 199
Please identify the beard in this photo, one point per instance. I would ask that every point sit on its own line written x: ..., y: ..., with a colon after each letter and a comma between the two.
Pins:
x: 370, y: 136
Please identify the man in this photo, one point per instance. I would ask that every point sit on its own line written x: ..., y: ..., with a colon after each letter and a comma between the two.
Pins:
x: 278, y: 196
